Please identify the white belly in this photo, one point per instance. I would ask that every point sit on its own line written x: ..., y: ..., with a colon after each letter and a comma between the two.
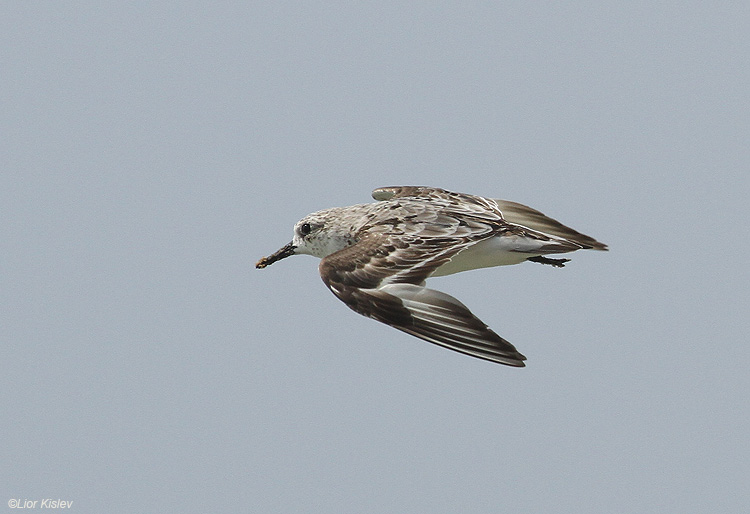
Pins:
x: 497, y: 251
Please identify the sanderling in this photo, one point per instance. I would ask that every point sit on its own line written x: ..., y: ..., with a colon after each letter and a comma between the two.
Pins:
x: 377, y: 256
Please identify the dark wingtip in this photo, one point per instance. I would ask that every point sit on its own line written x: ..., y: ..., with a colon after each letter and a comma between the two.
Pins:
x: 596, y: 245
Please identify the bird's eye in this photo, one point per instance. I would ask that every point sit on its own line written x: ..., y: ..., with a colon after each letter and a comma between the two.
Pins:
x: 305, y: 229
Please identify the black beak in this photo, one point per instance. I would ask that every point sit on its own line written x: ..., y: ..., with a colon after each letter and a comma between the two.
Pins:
x: 282, y: 253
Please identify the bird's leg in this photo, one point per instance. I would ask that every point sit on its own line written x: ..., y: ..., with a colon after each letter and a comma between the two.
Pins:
x: 558, y: 263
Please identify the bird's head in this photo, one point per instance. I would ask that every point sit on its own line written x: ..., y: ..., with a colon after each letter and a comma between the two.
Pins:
x: 318, y: 234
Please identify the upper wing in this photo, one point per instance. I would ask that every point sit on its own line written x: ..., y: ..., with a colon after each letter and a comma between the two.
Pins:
x: 460, y: 204
x: 386, y: 193
x: 380, y: 277
x: 525, y: 216
x: 552, y: 236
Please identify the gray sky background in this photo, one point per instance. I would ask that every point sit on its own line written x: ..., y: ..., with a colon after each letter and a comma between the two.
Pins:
x: 152, y: 153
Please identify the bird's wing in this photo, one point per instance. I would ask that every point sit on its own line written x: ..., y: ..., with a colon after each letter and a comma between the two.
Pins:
x: 543, y: 235
x: 460, y: 204
x: 525, y: 216
x: 386, y: 193
x: 381, y: 276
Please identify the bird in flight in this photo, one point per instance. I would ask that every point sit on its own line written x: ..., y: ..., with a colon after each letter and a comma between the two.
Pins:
x: 376, y: 258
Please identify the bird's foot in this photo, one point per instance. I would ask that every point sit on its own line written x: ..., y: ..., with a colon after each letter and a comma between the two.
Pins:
x: 558, y: 263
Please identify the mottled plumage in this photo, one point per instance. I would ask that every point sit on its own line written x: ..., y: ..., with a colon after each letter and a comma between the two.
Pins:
x: 376, y: 258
